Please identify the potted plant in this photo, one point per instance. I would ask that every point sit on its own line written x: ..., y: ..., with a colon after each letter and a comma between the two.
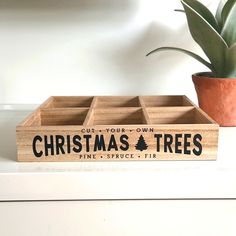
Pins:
x: 216, y: 35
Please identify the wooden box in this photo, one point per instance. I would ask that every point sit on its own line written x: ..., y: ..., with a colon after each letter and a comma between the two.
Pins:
x: 114, y: 128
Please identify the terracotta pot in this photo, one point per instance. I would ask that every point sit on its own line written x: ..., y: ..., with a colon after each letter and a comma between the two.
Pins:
x: 217, y: 97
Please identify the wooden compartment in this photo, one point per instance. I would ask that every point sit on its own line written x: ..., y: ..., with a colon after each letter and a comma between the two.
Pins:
x: 62, y: 116
x: 110, y: 128
x: 116, y: 101
x: 176, y: 115
x: 67, y: 102
x: 117, y: 116
x: 166, y: 101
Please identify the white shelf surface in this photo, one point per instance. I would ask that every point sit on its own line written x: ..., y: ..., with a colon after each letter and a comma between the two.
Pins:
x: 112, y: 180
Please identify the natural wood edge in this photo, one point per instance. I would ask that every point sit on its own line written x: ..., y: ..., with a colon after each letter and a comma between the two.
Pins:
x: 94, y: 102
x: 145, y: 113
x: 36, y: 111
x: 188, y: 101
x: 170, y: 108
x: 200, y: 110
x: 157, y: 126
x: 29, y: 117
x: 204, y: 114
x: 90, y: 114
x: 64, y: 109
x: 47, y: 103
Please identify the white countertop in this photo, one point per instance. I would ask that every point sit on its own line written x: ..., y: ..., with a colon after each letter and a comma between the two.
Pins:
x: 112, y: 180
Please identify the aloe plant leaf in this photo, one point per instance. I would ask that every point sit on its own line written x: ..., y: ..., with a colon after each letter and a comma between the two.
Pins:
x: 219, y: 13
x: 229, y: 29
x: 231, y: 61
x: 180, y: 10
x: 208, y: 38
x: 200, y: 59
x: 226, y: 10
x: 204, y: 12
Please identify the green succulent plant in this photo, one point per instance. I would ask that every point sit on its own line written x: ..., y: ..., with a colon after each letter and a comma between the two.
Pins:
x: 216, y: 35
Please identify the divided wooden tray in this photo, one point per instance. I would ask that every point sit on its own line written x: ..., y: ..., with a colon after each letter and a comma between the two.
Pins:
x: 112, y: 128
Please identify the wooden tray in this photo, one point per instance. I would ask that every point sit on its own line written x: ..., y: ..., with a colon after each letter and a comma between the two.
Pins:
x: 112, y: 128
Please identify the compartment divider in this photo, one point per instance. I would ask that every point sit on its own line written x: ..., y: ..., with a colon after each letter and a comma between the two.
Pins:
x: 145, y: 113
x: 90, y: 114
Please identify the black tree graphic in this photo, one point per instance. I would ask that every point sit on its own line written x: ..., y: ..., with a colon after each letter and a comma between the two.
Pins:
x: 141, y: 144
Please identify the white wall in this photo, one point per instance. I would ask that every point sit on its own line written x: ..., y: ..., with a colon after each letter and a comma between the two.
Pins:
x: 85, y: 47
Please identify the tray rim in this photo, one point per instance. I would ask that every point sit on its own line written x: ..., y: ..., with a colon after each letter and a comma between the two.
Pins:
x: 91, y: 108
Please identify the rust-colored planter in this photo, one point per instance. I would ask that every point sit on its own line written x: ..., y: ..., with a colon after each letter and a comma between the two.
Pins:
x: 217, y: 97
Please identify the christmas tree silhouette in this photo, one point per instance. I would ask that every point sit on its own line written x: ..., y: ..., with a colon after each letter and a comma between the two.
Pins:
x: 141, y: 144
